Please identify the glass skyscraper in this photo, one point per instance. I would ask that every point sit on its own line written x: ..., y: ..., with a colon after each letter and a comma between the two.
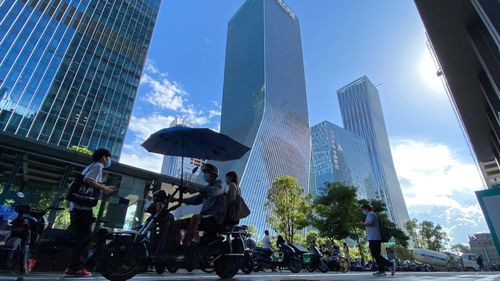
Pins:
x: 70, y: 69
x: 340, y: 156
x: 264, y: 102
x: 362, y: 114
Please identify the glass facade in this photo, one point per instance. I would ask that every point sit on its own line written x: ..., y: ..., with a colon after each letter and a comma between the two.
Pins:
x: 362, y: 114
x: 340, y: 156
x: 70, y: 69
x: 264, y: 102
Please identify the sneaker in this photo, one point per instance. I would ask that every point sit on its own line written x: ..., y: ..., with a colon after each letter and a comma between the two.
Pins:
x: 80, y: 273
x: 83, y: 273
x: 393, y: 268
x: 69, y: 272
x: 379, y: 274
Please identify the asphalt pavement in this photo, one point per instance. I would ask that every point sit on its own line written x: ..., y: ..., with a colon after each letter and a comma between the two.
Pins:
x: 283, y: 276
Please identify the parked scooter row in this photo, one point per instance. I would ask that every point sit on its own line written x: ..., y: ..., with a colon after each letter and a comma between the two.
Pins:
x: 24, y: 235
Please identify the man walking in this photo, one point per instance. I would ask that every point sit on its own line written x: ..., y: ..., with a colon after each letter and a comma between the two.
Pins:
x: 374, y: 237
x: 81, y: 216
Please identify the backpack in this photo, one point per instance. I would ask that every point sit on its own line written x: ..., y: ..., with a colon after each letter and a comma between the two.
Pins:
x: 384, y: 231
x: 237, y: 210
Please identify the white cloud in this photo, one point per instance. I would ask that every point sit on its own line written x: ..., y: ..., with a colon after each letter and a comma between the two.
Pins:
x: 214, y: 113
x: 438, y: 186
x: 138, y: 157
x: 164, y: 94
x: 151, y: 67
x: 143, y: 127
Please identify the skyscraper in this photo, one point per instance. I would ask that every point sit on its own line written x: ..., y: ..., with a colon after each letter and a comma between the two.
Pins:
x: 264, y: 102
x: 69, y: 70
x: 171, y: 165
x: 362, y: 114
x: 340, y: 156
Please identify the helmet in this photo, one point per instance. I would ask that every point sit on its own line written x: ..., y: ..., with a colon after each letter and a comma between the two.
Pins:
x: 208, y: 168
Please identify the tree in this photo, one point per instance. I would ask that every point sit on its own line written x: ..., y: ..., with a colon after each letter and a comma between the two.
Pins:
x: 460, y: 248
x: 288, y: 205
x: 334, y: 213
x: 81, y: 149
x: 433, y: 236
x: 252, y: 230
x: 412, y: 229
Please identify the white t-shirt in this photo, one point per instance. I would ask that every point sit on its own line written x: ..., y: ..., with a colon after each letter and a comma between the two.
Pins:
x: 93, y: 172
x: 267, y: 242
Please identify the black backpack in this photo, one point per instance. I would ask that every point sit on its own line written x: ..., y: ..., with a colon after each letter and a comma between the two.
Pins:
x: 384, y: 231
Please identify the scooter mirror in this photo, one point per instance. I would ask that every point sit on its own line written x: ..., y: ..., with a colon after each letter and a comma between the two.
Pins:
x: 195, y: 170
x: 20, y: 194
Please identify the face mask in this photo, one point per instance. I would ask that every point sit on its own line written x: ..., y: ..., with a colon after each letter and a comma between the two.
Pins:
x: 207, y: 177
x: 228, y: 182
x: 108, y: 163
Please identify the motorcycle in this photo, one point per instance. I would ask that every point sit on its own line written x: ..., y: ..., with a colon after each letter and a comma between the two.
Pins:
x: 26, y: 232
x: 248, y: 264
x: 288, y: 258
x: 131, y: 252
x: 317, y: 261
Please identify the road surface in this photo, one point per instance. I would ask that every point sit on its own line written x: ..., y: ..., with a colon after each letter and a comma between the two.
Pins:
x: 283, y: 276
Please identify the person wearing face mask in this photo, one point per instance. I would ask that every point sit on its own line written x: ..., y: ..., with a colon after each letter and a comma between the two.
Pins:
x: 374, y: 238
x: 81, y: 217
x: 214, y: 205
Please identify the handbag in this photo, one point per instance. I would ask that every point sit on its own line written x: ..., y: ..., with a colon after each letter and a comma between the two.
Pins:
x: 237, y: 210
x: 81, y: 193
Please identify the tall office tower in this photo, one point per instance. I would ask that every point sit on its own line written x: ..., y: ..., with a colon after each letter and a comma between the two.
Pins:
x: 466, y: 43
x: 264, y: 103
x: 362, y: 114
x: 340, y: 156
x: 172, y: 165
x: 472, y: 71
x: 70, y: 69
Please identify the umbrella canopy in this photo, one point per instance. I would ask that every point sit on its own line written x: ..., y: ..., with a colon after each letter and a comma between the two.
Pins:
x: 199, y: 143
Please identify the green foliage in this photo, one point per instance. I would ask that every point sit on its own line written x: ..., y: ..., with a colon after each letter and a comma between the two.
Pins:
x: 334, y: 213
x: 252, y: 230
x: 288, y: 205
x: 412, y: 228
x: 433, y: 236
x: 81, y: 149
x: 427, y: 235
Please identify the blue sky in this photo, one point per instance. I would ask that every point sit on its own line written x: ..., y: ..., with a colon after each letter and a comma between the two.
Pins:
x: 342, y: 40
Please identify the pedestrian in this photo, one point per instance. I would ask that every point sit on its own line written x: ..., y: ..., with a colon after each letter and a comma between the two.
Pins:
x: 347, y: 256
x: 374, y: 238
x: 234, y: 189
x: 266, y: 241
x: 81, y: 216
x: 480, y: 262
x: 249, y: 242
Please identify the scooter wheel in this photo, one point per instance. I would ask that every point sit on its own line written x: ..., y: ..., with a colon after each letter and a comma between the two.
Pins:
x: 323, y: 267
x: 295, y: 266
x: 160, y: 268
x: 172, y: 269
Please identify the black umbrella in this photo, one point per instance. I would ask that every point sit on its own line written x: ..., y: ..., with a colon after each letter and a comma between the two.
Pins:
x: 201, y: 143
